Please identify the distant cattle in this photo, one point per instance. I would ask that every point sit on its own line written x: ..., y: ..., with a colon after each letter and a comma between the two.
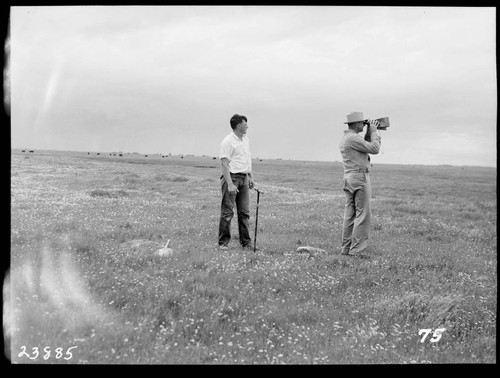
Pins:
x: 88, y: 153
x: 214, y: 158
x: 120, y: 154
x: 145, y: 155
x: 24, y: 150
x: 98, y: 153
x: 32, y: 151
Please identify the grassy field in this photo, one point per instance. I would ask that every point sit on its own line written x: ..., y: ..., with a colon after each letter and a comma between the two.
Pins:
x: 86, y: 286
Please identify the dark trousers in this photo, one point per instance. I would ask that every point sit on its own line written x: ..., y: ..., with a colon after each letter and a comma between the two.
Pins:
x: 242, y: 202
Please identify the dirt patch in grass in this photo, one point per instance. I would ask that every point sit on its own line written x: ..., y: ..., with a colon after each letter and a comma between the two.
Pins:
x: 170, y: 178
x: 108, y: 193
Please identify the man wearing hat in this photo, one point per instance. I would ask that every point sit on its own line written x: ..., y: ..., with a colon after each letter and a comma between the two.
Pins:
x: 357, y: 186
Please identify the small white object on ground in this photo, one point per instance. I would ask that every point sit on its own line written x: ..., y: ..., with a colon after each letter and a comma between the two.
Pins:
x: 310, y: 250
x: 165, y: 251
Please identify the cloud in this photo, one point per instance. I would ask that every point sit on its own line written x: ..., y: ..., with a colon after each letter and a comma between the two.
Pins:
x: 173, y: 69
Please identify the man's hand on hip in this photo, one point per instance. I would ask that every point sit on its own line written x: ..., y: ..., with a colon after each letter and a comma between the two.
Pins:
x: 232, y: 189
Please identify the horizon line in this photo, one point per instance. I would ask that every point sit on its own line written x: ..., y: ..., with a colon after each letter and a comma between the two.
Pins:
x: 262, y: 158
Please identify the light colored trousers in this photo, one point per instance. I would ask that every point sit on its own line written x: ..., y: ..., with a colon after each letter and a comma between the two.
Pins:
x: 357, y: 213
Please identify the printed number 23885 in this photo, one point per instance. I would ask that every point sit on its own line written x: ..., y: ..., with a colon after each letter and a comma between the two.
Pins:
x: 46, y: 354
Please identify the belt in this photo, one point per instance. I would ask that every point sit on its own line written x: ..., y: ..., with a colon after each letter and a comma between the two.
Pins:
x: 239, y: 174
x: 360, y: 170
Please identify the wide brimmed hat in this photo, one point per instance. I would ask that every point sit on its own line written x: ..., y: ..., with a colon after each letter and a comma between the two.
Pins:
x: 355, y: 117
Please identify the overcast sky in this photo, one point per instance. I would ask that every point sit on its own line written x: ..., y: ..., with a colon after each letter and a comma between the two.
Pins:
x: 165, y: 79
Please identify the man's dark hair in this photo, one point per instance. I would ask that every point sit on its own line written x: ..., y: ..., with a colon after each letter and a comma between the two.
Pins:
x: 236, y: 120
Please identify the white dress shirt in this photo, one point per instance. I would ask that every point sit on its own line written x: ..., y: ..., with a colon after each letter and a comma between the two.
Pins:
x: 237, y: 151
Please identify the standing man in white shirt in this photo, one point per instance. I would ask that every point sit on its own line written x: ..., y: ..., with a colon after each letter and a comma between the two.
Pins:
x: 236, y: 182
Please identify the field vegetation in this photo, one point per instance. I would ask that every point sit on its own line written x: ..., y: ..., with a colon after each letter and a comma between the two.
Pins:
x: 86, y: 287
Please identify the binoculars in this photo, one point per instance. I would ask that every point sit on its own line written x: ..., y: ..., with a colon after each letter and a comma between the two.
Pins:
x: 384, y: 123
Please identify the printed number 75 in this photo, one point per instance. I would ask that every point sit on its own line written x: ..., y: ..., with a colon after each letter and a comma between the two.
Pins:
x: 436, y: 335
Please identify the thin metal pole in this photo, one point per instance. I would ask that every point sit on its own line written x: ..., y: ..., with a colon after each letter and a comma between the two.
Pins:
x: 256, y: 221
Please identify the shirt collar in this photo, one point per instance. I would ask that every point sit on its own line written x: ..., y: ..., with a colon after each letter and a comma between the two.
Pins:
x: 237, y: 138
